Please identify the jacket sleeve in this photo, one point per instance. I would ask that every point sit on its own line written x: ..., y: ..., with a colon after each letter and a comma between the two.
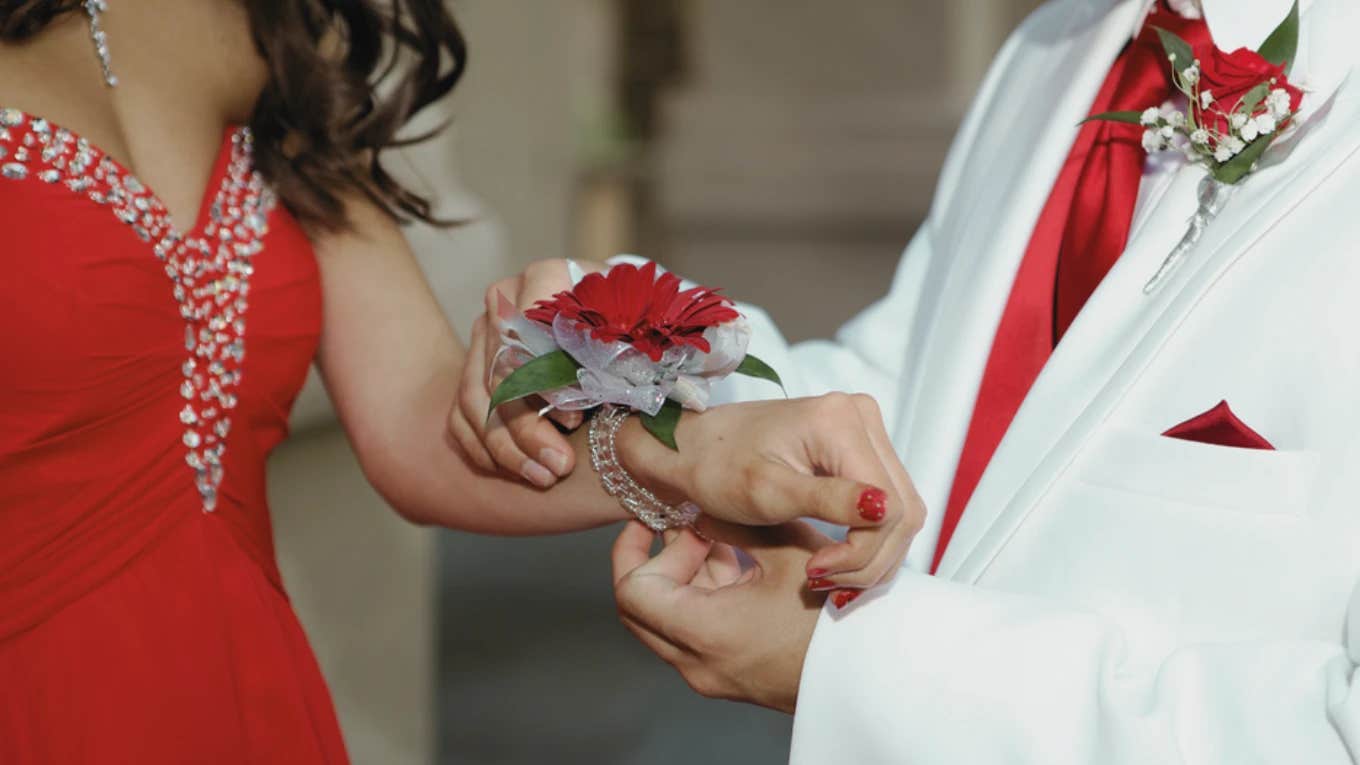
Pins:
x: 867, y: 355
x: 933, y: 672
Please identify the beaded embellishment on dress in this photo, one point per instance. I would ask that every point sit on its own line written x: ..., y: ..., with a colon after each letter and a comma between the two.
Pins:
x: 209, y: 269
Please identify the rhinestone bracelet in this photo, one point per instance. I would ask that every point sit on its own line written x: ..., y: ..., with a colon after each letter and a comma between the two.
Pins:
x: 619, y: 484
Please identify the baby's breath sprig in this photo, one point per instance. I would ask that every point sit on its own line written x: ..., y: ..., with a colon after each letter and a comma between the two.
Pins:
x: 1227, y: 138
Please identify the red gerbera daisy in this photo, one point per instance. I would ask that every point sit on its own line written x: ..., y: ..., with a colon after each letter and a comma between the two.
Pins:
x: 631, y: 304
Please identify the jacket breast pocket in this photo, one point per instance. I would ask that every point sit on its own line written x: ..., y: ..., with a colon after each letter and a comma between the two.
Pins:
x: 1277, y: 482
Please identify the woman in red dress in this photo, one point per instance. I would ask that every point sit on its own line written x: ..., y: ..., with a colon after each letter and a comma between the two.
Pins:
x: 156, y: 325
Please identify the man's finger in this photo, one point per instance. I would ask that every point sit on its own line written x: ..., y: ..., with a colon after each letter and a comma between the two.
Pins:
x: 722, y: 569
x: 681, y: 559
x: 632, y: 549
x: 656, y: 592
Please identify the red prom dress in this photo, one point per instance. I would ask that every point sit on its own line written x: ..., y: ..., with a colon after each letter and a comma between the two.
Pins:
x: 145, y: 375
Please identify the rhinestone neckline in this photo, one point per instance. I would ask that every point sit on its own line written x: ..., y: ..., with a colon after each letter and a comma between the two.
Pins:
x: 209, y: 270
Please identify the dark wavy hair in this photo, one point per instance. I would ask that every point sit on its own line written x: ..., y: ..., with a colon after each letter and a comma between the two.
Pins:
x: 321, y: 124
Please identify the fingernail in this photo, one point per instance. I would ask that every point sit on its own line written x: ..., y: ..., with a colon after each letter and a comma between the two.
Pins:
x: 816, y: 573
x: 821, y: 584
x: 537, y: 475
x: 873, y: 504
x: 843, y: 598
x: 555, y: 460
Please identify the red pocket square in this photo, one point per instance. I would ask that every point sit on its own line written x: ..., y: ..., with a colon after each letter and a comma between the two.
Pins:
x: 1220, y: 427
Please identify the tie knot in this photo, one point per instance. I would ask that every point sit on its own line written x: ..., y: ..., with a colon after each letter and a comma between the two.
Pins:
x: 1145, y: 79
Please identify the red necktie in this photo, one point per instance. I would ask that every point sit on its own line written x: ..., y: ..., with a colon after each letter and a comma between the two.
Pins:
x: 1080, y: 234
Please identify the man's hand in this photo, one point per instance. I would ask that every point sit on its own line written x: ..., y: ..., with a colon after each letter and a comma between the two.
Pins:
x: 732, y: 634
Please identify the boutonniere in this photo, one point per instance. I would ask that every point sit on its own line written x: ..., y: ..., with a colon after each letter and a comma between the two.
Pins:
x: 1236, y: 105
x: 625, y: 338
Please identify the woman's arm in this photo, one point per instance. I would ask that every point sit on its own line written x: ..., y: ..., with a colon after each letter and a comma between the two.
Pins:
x: 392, y: 365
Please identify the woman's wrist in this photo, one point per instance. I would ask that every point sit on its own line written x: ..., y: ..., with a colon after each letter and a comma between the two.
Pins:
x: 656, y: 466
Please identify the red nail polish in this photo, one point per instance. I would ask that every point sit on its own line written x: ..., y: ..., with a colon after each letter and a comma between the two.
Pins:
x: 873, y: 504
x: 816, y: 573
x: 821, y: 584
x: 843, y: 598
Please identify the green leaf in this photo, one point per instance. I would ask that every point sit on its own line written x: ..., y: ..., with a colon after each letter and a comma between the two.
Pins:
x: 754, y: 367
x: 1254, y: 98
x: 1176, y: 46
x: 1238, y: 168
x: 662, y: 425
x: 547, y: 372
x: 1132, y: 118
x: 1283, y: 44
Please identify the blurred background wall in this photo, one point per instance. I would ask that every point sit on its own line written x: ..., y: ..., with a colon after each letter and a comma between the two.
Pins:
x: 785, y: 149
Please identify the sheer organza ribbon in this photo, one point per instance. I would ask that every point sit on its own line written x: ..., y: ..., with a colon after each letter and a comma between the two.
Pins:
x: 616, y: 372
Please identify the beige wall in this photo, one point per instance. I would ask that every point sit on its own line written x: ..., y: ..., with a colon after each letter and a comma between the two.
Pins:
x: 807, y: 138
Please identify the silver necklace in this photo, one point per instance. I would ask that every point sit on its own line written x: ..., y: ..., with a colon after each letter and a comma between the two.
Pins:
x: 93, y: 9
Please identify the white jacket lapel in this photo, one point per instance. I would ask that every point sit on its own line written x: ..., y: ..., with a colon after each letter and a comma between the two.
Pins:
x: 1120, y: 329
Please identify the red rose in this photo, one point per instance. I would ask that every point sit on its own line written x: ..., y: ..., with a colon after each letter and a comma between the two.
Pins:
x: 631, y: 304
x: 1230, y: 76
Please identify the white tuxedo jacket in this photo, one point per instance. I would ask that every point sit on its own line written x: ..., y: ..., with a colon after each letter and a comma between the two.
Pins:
x: 1111, y: 595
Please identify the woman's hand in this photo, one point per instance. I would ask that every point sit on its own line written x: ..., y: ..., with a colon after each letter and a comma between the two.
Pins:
x: 732, y: 634
x: 516, y: 440
x: 771, y: 462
